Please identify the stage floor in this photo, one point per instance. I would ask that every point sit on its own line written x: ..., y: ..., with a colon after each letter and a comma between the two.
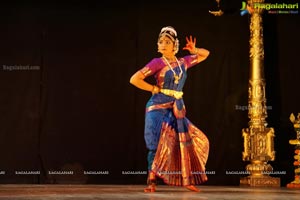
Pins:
x: 135, y: 192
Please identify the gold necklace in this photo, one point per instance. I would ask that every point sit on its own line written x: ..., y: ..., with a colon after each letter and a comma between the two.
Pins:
x: 176, y: 77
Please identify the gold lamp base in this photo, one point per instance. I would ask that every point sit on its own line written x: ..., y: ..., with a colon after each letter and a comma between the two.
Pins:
x: 295, y: 183
x: 260, y: 181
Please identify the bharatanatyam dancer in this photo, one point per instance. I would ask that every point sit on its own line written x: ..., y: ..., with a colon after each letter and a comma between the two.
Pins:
x: 177, y: 149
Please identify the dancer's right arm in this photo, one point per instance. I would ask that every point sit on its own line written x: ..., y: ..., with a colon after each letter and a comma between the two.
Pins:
x: 138, y: 81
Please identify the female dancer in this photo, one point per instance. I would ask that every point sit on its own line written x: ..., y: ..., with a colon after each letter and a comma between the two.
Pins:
x: 177, y: 150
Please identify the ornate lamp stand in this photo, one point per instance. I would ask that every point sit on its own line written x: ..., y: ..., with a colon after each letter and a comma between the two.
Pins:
x: 296, y: 142
x: 258, y: 138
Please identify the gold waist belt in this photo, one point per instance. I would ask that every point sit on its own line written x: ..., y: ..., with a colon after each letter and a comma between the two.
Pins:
x: 172, y: 93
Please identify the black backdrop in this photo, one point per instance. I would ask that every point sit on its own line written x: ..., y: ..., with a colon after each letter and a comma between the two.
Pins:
x: 76, y: 111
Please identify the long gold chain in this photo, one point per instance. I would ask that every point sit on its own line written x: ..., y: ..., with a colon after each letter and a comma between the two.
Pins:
x: 176, y: 77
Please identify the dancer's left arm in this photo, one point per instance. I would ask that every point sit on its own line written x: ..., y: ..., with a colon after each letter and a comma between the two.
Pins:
x: 201, y: 53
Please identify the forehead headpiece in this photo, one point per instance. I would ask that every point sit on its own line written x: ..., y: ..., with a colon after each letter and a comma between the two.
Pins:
x: 171, y: 33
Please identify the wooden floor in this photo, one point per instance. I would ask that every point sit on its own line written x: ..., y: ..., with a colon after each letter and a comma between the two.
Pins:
x: 135, y: 192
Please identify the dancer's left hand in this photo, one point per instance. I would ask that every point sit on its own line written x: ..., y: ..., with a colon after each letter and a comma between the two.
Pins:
x: 190, y: 44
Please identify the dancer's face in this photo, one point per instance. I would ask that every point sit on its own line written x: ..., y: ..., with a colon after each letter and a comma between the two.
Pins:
x: 165, y: 46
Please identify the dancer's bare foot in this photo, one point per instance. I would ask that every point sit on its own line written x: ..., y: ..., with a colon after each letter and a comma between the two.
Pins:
x: 150, y: 188
x: 192, y: 188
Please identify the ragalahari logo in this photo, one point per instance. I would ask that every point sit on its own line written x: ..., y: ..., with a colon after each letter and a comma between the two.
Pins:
x: 272, y: 8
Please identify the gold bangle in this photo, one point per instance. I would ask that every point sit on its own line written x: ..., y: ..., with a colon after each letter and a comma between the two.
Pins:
x: 155, y: 89
x: 195, y: 51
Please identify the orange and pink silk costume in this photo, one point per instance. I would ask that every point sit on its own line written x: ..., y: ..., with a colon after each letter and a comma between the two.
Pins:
x: 178, y: 150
